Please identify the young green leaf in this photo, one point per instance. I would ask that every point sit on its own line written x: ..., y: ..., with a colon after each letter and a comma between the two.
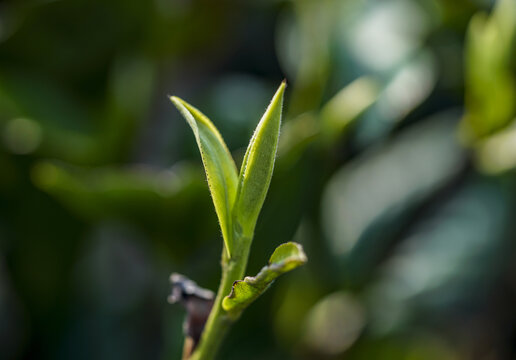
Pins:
x: 256, y: 171
x: 285, y: 258
x: 219, y: 166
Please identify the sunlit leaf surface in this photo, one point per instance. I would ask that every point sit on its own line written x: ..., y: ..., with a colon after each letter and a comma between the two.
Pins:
x: 218, y: 164
x: 256, y: 171
x: 285, y: 258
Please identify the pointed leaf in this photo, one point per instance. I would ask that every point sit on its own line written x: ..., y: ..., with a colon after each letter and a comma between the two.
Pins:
x: 220, y: 168
x: 285, y: 258
x: 256, y: 171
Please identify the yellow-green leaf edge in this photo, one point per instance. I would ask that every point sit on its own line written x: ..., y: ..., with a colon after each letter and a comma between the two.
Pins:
x: 220, y: 168
x: 285, y: 258
x: 257, y: 166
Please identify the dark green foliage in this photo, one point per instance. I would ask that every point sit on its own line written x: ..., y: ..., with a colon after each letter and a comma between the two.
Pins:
x: 395, y: 172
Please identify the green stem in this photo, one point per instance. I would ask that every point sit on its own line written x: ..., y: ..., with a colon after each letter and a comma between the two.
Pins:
x: 219, y: 322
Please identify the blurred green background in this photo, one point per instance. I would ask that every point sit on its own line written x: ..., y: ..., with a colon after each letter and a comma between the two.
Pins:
x: 396, y: 171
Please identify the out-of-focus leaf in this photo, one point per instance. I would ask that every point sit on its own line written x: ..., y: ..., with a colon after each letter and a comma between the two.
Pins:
x: 406, y: 88
x: 338, y: 113
x: 64, y: 124
x: 219, y: 166
x: 386, y: 40
x: 121, y: 192
x: 22, y: 136
x: 56, y: 114
x: 131, y: 83
x: 383, y: 36
x: 296, y: 135
x: 449, y: 260
x: 285, y: 258
x: 367, y: 201
x: 257, y: 167
x: 333, y: 324
x: 409, y: 86
x: 490, y: 86
x: 497, y: 153
x: 330, y: 123
x: 304, y: 50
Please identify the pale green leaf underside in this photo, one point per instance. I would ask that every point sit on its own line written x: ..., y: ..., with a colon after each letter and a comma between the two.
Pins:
x: 219, y: 166
x: 257, y: 166
x: 285, y: 258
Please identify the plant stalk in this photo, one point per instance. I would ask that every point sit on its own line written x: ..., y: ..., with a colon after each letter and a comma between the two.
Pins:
x: 219, y: 321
